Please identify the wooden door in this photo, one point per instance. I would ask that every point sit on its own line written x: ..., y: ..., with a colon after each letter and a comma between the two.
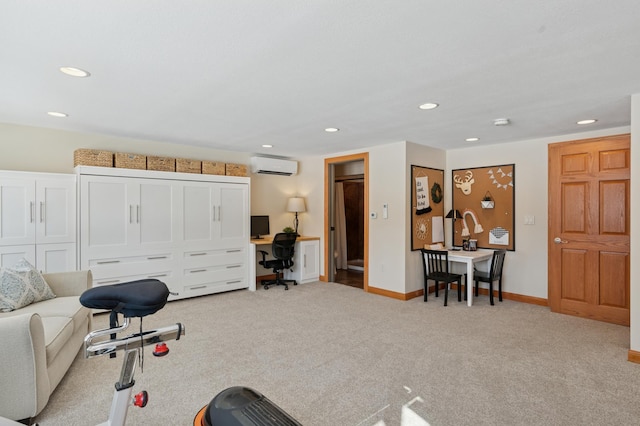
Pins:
x: 589, y: 217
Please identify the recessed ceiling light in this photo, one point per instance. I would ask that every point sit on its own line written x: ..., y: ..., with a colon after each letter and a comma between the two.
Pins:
x: 428, y: 105
x: 74, y: 72
x: 501, y: 122
x: 589, y: 121
x: 57, y: 114
x: 472, y: 139
x: 267, y: 146
x: 331, y: 129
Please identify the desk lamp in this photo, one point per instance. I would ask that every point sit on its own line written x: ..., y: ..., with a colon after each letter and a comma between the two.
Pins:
x: 454, y: 214
x: 296, y: 205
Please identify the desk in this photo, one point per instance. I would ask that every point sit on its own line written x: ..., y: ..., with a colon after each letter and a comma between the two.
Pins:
x: 306, y: 260
x: 469, y: 258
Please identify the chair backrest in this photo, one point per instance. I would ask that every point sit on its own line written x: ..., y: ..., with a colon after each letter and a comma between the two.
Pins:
x: 283, y: 245
x: 435, y: 261
x: 497, y: 261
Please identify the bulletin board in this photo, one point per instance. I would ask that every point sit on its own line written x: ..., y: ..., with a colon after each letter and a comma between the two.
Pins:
x: 427, y: 195
x: 485, y: 196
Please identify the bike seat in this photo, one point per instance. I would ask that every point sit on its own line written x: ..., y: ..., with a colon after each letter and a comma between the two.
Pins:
x: 132, y: 299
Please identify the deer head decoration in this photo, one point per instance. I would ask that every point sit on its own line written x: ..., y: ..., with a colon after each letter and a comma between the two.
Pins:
x: 464, y: 185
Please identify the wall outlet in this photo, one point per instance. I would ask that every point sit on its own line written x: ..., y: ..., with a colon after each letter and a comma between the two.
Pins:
x: 373, y: 215
x: 529, y: 220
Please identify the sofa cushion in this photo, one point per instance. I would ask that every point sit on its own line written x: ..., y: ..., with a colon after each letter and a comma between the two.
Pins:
x: 57, y: 332
x: 22, y: 285
x: 69, y: 307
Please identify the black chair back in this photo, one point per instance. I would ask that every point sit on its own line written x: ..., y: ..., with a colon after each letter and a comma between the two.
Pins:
x: 435, y: 262
x: 283, y: 245
x: 497, y: 261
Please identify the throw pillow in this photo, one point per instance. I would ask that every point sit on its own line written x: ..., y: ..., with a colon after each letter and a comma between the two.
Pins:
x: 22, y: 285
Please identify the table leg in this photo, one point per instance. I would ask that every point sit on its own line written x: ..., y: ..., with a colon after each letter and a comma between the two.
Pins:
x: 468, y: 282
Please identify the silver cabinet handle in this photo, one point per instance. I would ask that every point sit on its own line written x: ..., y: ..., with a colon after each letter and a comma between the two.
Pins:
x: 234, y: 251
x: 138, y: 213
x: 156, y: 276
x: 130, y: 213
x: 198, y: 287
x: 198, y: 270
x: 214, y: 212
x: 305, y: 261
x: 105, y: 262
x: 234, y: 282
x: 233, y: 266
x: 197, y: 254
x: 31, y: 211
x: 41, y: 211
x: 156, y: 257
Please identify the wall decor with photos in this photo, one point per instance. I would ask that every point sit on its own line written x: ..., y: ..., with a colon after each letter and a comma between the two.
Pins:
x: 485, y: 199
x: 427, y: 206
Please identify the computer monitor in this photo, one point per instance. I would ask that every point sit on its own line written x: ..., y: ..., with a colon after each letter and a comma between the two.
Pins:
x: 259, y: 226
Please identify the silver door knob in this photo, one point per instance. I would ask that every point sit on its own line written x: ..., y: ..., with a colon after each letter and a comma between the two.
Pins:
x: 559, y: 240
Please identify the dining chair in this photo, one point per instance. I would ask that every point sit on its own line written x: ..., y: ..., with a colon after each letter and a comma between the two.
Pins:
x: 494, y: 274
x: 435, y: 265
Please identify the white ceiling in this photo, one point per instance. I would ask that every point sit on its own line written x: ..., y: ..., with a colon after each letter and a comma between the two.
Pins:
x: 236, y: 74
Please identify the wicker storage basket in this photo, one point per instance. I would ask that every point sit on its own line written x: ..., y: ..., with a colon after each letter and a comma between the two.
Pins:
x: 130, y: 161
x: 213, y: 168
x: 163, y: 164
x: 92, y: 157
x: 236, y: 169
x: 184, y: 165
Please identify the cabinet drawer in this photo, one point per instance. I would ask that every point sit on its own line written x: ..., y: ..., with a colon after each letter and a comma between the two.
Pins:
x: 203, y: 258
x: 214, y: 287
x: 167, y: 277
x: 200, y: 275
x: 128, y: 260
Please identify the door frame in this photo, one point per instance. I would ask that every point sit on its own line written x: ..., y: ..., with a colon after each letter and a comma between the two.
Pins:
x: 329, y: 176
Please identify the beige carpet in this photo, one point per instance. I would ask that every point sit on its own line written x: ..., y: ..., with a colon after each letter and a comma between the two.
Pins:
x: 330, y: 354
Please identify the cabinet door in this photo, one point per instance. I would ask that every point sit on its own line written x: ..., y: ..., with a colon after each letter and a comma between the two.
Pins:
x: 232, y: 214
x: 105, y: 213
x: 55, y: 210
x: 155, y: 213
x: 309, y: 261
x: 17, y: 211
x: 56, y: 257
x: 197, y: 213
x: 10, y: 255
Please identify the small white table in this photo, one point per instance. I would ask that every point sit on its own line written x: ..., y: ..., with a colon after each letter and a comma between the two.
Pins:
x: 469, y: 258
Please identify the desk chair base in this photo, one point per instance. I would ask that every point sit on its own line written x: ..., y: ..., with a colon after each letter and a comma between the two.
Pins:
x: 278, y: 281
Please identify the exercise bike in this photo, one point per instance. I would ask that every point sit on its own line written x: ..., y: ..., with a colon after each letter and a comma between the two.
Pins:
x: 131, y: 299
x: 235, y: 406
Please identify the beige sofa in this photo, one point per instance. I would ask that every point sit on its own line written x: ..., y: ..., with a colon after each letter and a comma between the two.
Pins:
x: 39, y: 342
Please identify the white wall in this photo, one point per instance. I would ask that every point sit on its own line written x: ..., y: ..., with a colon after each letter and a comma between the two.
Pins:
x: 525, y: 269
x: 635, y: 222
x: 424, y: 156
x: 45, y: 150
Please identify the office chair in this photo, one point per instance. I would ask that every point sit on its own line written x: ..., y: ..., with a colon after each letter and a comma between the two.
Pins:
x: 494, y: 274
x: 282, y: 249
x: 435, y: 265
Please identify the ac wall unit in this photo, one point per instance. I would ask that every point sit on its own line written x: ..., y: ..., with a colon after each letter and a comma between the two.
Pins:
x: 273, y: 166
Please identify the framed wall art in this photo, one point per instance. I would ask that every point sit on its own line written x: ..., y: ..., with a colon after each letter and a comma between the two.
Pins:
x: 427, y: 206
x: 483, y: 201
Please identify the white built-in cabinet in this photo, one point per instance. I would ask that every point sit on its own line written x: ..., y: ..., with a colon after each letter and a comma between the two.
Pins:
x: 38, y: 220
x: 306, y: 262
x: 190, y: 231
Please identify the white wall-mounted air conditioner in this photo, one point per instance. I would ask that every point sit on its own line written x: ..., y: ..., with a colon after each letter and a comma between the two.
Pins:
x: 274, y: 166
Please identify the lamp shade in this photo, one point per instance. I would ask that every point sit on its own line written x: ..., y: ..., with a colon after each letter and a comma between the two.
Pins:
x: 296, y: 205
x: 454, y: 214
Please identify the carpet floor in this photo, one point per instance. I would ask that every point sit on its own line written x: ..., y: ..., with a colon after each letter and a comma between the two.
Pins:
x: 331, y: 354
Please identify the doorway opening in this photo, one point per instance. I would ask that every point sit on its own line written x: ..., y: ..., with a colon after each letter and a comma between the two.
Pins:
x: 347, y: 220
